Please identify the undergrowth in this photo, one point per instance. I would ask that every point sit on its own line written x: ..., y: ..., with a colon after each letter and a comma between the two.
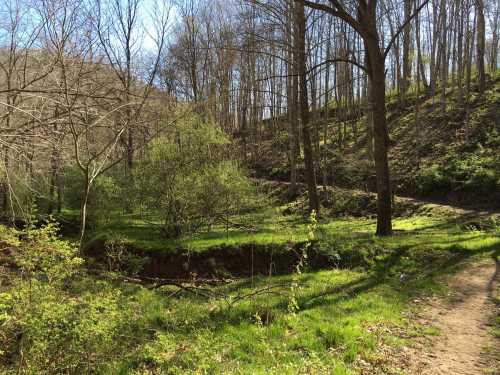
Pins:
x: 80, y: 323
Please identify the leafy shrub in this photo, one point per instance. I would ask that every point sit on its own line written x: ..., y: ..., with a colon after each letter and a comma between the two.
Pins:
x: 432, y: 180
x: 42, y: 255
x: 105, y: 197
x: 188, y: 181
x: 53, y: 318
x: 120, y: 259
x: 482, y: 180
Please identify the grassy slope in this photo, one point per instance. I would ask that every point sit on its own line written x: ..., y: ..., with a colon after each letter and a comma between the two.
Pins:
x: 273, y: 226
x: 453, y: 151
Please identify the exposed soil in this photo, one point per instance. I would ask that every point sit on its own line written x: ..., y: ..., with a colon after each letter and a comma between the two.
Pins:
x: 226, y: 260
x: 464, y: 345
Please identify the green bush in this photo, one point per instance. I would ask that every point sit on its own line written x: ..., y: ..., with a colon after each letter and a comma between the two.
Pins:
x: 106, y: 195
x: 482, y: 181
x: 119, y: 257
x: 432, y: 180
x: 54, y: 319
x: 187, y: 180
x: 474, y: 173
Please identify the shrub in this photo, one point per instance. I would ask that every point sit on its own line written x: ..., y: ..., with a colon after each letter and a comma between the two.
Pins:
x: 119, y: 257
x: 106, y: 195
x: 483, y: 181
x: 432, y: 180
x: 188, y: 182
x: 53, y: 318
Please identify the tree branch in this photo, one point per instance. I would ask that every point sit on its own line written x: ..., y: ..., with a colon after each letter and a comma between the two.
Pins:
x: 336, y: 60
x: 401, y: 28
x: 338, y: 12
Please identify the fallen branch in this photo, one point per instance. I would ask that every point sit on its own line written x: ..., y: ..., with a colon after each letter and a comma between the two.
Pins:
x: 195, y: 286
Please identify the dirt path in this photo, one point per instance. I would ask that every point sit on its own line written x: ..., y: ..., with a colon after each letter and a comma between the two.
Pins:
x: 464, y: 345
x: 428, y: 205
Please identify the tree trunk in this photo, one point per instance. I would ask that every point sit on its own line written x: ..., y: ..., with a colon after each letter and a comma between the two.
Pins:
x: 377, y: 79
x: 460, y: 55
x: 327, y: 114
x: 444, y: 60
x: 292, y: 103
x: 304, y: 107
x: 480, y: 46
x: 83, y: 211
x: 406, y: 53
x: 369, y: 122
x: 417, y: 102
x: 494, y: 42
x: 432, y: 64
x: 53, y: 179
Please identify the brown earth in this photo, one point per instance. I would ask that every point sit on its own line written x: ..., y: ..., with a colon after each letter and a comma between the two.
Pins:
x: 465, y: 345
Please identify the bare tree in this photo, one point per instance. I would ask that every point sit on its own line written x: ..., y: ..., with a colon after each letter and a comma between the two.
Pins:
x: 366, y: 25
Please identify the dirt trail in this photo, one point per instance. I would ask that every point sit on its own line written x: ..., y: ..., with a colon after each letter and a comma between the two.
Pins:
x: 464, y: 345
x: 443, y: 206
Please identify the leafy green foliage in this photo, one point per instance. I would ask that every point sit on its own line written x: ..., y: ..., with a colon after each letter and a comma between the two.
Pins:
x: 53, y: 318
x: 475, y: 173
x: 105, y: 198
x: 188, y: 181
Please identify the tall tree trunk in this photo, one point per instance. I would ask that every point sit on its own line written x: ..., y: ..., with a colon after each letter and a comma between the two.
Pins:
x: 377, y: 78
x: 494, y: 41
x: 300, y: 20
x: 369, y: 120
x: 468, y: 55
x: 480, y: 46
x: 435, y: 34
x: 460, y: 55
x: 417, y: 102
x: 406, y: 53
x: 444, y: 60
x: 292, y: 89
x: 327, y: 113
x: 420, y: 61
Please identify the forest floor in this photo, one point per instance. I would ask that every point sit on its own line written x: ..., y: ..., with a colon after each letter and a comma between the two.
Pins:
x: 423, y: 301
x: 420, y: 301
x: 465, y: 344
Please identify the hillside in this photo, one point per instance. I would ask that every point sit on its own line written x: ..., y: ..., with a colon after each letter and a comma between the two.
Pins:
x: 450, y: 156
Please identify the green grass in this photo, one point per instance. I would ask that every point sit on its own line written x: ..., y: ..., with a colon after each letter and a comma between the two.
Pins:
x: 343, y: 316
x: 333, y: 328
x: 324, y: 322
x: 272, y: 227
x: 269, y: 227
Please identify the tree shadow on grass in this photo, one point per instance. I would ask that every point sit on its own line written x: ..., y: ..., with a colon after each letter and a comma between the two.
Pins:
x: 464, y: 222
x: 408, y: 282
x: 419, y: 263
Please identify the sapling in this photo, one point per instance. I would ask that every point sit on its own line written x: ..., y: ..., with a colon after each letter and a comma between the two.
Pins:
x: 312, y: 227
